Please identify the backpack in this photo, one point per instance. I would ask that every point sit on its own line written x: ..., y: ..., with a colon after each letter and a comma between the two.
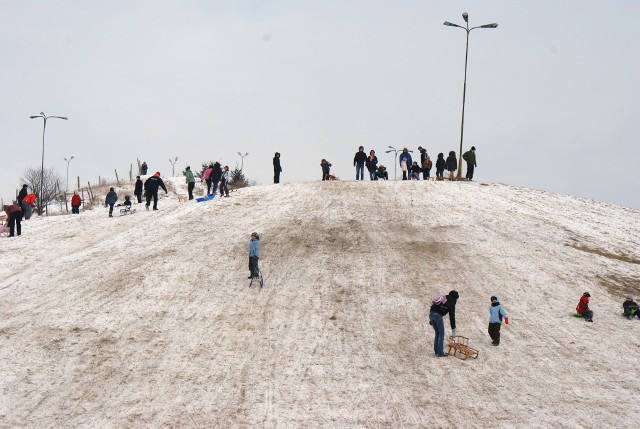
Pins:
x: 426, y: 163
x: 439, y: 300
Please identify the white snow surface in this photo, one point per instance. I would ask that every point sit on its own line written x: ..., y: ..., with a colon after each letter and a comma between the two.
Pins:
x: 147, y: 320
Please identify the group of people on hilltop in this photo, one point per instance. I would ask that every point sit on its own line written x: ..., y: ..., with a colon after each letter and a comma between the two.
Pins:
x: 410, y: 169
x: 214, y: 175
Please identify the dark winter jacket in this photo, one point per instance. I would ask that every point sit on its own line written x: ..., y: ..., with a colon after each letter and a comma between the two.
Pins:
x: 111, y: 197
x: 452, y: 163
x: 359, y: 158
x: 138, y: 188
x: 372, y: 164
x: 415, y: 169
x: 153, y: 183
x: 406, y: 156
x: 23, y: 193
x: 423, y: 156
x: 216, y: 174
x: 276, y: 164
x: 326, y: 167
x: 470, y: 157
x: 448, y: 307
x: 440, y: 164
x: 143, y: 169
x: 628, y: 305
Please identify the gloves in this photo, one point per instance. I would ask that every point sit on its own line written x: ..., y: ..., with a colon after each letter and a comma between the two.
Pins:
x: 453, y: 333
x: 506, y: 320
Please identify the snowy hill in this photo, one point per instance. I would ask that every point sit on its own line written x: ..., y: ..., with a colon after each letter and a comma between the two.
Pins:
x: 147, y: 321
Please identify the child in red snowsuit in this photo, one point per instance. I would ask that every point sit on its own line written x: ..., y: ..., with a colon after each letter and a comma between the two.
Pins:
x: 583, y: 307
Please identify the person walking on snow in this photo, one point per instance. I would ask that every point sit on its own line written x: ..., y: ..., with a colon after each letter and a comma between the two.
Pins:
x: 110, y: 200
x: 14, y: 217
x: 496, y: 314
x: 358, y: 162
x: 583, y: 307
x: 372, y: 165
x: 206, y: 176
x: 254, y: 255
x: 138, y: 189
x: 191, y: 181
x: 277, y: 169
x: 405, y: 157
x: 470, y: 157
x: 151, y: 186
x: 75, y: 203
x: 441, y: 305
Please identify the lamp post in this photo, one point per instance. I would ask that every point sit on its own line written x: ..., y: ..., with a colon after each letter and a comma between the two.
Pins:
x: 465, y: 16
x: 395, y: 163
x: 173, y: 166
x: 242, y: 163
x: 44, y: 128
x: 68, y: 161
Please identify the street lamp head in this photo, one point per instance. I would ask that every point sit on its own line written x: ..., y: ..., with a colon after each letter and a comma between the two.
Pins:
x: 450, y: 24
x: 73, y: 156
x: 33, y: 117
x: 465, y: 16
x: 494, y: 25
x: 389, y: 151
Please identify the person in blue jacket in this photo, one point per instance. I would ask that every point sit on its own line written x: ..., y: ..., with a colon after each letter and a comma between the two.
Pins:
x: 254, y: 255
x: 496, y: 314
x: 405, y: 156
x: 110, y: 200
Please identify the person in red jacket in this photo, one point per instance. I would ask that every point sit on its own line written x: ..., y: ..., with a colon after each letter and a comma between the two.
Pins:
x: 14, y: 216
x: 75, y: 203
x: 583, y: 307
x: 28, y: 203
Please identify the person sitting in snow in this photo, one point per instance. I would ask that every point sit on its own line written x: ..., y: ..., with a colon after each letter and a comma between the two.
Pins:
x: 583, y: 307
x: 496, y: 314
x: 630, y: 308
x: 382, y: 172
x: 415, y: 171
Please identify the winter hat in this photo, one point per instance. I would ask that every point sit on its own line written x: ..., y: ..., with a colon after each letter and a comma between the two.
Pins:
x: 473, y: 148
x: 25, y: 186
x: 494, y: 297
x: 587, y: 294
x: 454, y: 295
x: 255, y: 234
x: 111, y: 188
x: 157, y: 174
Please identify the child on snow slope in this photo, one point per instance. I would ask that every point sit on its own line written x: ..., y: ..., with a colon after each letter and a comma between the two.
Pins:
x: 496, y: 314
x: 583, y: 307
x: 254, y: 255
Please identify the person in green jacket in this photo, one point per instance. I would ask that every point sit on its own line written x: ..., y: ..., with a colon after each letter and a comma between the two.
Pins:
x: 470, y: 158
x: 191, y: 181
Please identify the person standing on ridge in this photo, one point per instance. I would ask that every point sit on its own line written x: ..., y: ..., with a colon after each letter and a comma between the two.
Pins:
x: 441, y: 305
x: 23, y: 193
x: 138, y: 189
x: 151, y: 186
x: 206, y: 176
x: 326, y: 169
x: 496, y: 314
x: 277, y: 169
x: 372, y: 165
x: 224, y: 182
x: 470, y: 157
x: 28, y: 203
x: 358, y: 162
x: 451, y: 164
x: 423, y: 160
x: 75, y: 203
x: 143, y: 168
x: 440, y: 165
x: 191, y: 181
x: 216, y: 174
x: 405, y: 157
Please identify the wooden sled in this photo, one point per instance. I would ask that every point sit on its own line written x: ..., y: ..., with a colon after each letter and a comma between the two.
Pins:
x: 459, y: 347
x: 182, y: 198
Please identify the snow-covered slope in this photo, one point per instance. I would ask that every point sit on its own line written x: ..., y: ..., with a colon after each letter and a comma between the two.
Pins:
x: 147, y: 321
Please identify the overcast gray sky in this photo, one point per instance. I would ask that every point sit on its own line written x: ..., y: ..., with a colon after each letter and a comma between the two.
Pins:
x: 551, y: 93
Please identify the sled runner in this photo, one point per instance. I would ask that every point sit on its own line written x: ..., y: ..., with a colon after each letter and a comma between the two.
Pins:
x: 459, y: 347
x: 257, y: 279
x: 126, y: 210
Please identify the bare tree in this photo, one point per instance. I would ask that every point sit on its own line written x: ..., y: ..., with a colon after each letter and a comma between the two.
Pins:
x: 52, y: 182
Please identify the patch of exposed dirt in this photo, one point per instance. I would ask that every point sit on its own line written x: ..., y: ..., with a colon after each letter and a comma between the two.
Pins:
x: 601, y: 252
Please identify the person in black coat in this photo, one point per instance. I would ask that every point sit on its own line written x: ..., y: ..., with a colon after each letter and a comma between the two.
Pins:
x: 23, y: 193
x: 440, y: 165
x: 216, y: 175
x: 372, y: 165
x: 138, y: 189
x: 143, y: 168
x: 151, y: 186
x: 358, y: 162
x: 277, y: 169
x: 437, y: 311
x: 451, y: 164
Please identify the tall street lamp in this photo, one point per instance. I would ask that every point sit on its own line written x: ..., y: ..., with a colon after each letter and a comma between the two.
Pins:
x: 68, y: 161
x: 242, y: 156
x: 465, y: 16
x: 44, y: 128
x: 395, y: 163
x: 173, y: 166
